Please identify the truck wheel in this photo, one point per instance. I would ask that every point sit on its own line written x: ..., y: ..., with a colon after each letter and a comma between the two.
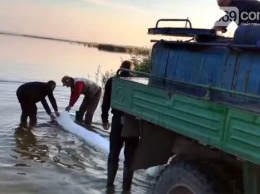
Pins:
x: 185, y: 178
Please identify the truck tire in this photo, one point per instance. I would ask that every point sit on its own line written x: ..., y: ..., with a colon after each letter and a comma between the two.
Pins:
x: 185, y: 178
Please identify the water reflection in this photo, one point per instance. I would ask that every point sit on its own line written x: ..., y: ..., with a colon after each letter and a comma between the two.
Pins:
x: 28, y: 147
x: 113, y: 191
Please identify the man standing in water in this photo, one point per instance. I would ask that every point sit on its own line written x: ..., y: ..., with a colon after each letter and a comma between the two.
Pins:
x: 116, y: 139
x: 92, y: 93
x: 29, y: 94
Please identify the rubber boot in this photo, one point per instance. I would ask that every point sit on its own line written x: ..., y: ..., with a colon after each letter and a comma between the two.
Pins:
x: 111, y: 174
x: 33, y: 122
x: 23, y: 121
x: 32, y: 125
x: 79, y: 116
x: 88, y: 118
x: 127, y: 179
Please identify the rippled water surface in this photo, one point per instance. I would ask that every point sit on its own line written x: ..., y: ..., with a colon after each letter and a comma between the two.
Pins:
x: 49, y: 160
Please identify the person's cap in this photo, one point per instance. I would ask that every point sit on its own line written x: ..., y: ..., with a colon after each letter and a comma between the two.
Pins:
x: 65, y: 80
x: 224, y: 2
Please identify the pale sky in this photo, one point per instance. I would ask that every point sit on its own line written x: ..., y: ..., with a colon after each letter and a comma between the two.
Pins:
x: 104, y: 21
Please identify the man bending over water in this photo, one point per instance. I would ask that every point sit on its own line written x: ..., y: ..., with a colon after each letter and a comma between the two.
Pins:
x: 29, y: 94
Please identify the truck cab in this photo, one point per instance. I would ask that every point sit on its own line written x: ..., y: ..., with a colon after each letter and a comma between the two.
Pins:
x: 197, y: 112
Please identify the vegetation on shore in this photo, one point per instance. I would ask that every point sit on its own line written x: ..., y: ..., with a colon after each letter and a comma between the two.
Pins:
x: 142, y: 63
x: 123, y: 49
x: 100, y: 46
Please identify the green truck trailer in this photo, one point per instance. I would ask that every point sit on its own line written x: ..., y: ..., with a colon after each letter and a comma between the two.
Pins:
x: 197, y: 112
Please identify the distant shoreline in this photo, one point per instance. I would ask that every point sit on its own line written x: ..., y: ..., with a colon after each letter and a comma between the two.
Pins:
x: 99, y: 46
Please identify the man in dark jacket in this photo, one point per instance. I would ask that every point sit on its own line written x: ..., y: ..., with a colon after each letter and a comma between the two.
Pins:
x: 116, y: 140
x: 248, y: 13
x: 29, y: 94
